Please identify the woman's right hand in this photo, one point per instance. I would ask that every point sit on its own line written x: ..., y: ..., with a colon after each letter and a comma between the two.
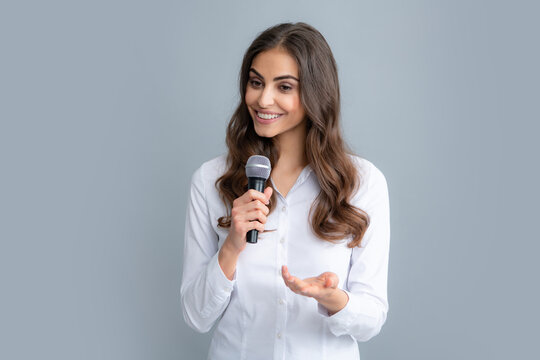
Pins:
x: 249, y: 212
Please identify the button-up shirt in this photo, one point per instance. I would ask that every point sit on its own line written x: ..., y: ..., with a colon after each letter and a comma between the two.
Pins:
x: 257, y: 315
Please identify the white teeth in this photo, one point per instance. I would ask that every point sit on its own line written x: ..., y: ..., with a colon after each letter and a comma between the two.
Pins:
x: 267, y: 116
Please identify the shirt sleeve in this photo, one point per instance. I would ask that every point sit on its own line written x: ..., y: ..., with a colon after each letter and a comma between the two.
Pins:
x: 205, y: 291
x: 366, y: 286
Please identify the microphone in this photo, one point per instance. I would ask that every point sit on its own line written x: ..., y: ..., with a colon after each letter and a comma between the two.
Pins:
x: 257, y: 171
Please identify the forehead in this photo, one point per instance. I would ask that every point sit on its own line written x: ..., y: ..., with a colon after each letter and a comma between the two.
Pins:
x: 275, y: 62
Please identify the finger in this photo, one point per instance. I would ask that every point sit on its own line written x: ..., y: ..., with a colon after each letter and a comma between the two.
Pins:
x: 252, y: 194
x: 255, y: 215
x: 328, y: 282
x: 285, y: 272
x: 323, y: 280
x: 248, y: 197
x: 327, y: 279
x: 292, y: 285
x: 242, y: 227
x: 252, y: 205
x: 298, y: 285
x: 334, y: 279
x: 290, y: 280
x: 258, y: 205
x: 254, y: 225
x: 251, y: 211
x: 268, y: 193
x: 242, y: 223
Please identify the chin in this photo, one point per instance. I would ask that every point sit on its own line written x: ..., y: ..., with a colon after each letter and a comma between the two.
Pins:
x: 265, y: 134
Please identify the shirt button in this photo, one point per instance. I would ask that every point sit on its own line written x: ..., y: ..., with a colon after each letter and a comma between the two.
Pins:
x: 283, y: 209
x: 282, y: 240
x: 278, y: 335
x: 281, y: 301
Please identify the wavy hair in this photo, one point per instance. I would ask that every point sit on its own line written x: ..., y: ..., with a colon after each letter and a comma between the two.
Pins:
x: 332, y: 217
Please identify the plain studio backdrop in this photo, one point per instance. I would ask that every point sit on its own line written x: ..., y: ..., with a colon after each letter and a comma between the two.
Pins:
x: 107, y: 108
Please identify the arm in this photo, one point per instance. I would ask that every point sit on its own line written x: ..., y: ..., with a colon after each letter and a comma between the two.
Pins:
x: 205, y: 291
x: 365, y: 313
x: 209, y: 273
x: 360, y: 309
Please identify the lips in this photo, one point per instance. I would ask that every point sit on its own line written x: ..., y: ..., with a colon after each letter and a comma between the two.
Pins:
x: 269, y: 118
x: 266, y: 117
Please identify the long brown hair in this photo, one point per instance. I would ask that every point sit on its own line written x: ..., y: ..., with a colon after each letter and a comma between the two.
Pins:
x: 332, y: 217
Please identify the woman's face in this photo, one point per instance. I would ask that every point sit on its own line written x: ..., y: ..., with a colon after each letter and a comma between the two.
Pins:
x: 273, y: 94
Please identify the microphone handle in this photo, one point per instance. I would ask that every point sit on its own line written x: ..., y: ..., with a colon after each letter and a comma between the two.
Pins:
x: 255, y: 183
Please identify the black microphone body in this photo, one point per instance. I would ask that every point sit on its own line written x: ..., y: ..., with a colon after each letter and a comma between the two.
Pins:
x: 255, y: 183
x: 258, y: 169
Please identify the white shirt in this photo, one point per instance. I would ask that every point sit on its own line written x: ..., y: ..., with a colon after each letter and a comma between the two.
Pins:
x: 258, y: 316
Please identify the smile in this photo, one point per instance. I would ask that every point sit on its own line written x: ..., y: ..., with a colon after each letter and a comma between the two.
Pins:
x: 267, y: 116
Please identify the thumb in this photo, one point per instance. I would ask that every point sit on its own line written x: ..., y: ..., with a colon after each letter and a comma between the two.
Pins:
x: 324, y: 279
x: 268, y: 192
x: 329, y: 280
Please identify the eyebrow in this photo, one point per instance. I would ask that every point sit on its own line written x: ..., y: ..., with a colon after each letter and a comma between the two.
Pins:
x: 276, y: 78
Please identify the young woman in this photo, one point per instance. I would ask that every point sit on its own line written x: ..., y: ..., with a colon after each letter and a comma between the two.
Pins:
x: 315, y: 283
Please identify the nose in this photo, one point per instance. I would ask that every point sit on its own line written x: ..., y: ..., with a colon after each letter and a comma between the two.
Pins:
x: 266, y: 98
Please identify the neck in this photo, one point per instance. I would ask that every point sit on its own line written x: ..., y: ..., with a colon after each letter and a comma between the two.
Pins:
x: 292, y: 148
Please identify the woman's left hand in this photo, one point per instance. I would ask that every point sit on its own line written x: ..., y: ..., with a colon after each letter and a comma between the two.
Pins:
x: 322, y: 288
x: 319, y: 288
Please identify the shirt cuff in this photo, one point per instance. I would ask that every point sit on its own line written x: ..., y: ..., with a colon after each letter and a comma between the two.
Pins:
x: 341, y: 322
x: 219, y: 283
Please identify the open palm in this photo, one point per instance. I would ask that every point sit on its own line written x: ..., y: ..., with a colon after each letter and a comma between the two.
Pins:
x: 318, y: 287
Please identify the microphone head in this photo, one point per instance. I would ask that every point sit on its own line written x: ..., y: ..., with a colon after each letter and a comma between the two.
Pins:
x: 258, y: 166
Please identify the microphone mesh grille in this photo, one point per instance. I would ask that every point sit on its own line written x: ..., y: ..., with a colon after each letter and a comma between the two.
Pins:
x: 258, y: 166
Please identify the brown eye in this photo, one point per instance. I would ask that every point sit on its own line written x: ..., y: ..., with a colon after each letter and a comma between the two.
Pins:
x: 286, y: 87
x: 255, y: 83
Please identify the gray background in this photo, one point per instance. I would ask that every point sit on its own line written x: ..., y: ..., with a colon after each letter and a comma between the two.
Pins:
x: 107, y: 108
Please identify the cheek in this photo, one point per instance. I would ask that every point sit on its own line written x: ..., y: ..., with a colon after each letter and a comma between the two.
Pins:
x: 250, y: 97
x: 292, y: 104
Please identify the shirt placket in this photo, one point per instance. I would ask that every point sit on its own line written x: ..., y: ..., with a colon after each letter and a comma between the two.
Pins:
x: 281, y: 299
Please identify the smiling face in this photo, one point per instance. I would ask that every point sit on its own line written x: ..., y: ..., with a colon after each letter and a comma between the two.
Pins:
x: 273, y: 95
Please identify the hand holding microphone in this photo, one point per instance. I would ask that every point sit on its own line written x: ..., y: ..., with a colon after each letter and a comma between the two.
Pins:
x: 257, y: 171
x: 249, y: 211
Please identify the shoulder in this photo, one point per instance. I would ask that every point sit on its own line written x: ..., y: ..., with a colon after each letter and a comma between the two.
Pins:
x: 369, y: 173
x: 209, y: 171
x: 214, y: 167
x: 203, y: 185
x: 372, y: 184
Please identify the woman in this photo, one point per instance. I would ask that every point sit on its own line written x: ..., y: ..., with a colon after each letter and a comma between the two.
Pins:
x: 315, y: 283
